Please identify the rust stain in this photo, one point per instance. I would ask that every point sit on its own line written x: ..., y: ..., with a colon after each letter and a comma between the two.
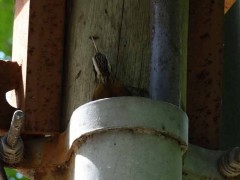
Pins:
x: 42, y: 70
x: 205, y: 54
x: 42, y: 161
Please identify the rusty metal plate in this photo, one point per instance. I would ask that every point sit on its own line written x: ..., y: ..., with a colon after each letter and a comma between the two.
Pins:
x: 42, y: 46
x: 205, y: 55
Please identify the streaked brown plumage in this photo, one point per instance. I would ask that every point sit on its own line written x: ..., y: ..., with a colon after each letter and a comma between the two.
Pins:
x: 101, y: 65
x: 105, y: 87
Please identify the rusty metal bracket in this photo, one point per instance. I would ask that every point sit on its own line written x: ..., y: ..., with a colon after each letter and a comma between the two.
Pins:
x: 10, y: 73
x: 38, y: 40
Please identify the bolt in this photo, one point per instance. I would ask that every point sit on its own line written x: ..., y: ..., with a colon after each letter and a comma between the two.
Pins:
x: 11, y: 145
x: 15, y: 128
x: 229, y: 164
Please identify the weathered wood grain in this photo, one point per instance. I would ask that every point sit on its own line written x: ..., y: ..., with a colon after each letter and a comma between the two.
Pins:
x: 124, y: 37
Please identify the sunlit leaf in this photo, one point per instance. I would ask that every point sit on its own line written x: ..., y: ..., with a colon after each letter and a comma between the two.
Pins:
x: 6, y: 26
x: 12, y: 173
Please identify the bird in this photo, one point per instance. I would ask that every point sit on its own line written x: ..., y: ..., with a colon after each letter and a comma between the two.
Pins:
x: 105, y: 86
x: 101, y: 65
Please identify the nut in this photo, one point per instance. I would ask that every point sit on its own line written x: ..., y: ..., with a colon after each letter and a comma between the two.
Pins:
x: 11, y: 155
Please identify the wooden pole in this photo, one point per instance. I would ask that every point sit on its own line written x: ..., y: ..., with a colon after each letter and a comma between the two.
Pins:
x: 123, y: 31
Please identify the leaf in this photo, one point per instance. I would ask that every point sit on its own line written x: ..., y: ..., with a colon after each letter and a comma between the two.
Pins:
x: 6, y: 26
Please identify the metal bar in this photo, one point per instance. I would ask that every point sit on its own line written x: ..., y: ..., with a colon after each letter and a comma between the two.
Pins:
x: 205, y: 54
x: 40, y: 24
x: 169, y: 19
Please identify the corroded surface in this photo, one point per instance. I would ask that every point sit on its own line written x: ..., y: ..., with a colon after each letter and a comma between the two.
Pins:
x: 40, y: 53
x: 204, y: 71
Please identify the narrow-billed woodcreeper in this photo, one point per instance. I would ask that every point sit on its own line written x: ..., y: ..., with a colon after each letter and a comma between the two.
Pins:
x: 105, y: 86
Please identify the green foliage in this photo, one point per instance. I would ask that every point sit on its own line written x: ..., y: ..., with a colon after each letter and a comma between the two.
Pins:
x: 6, y: 26
x: 13, y: 174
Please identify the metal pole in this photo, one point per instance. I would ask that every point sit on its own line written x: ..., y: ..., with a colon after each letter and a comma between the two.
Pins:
x: 169, y: 19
